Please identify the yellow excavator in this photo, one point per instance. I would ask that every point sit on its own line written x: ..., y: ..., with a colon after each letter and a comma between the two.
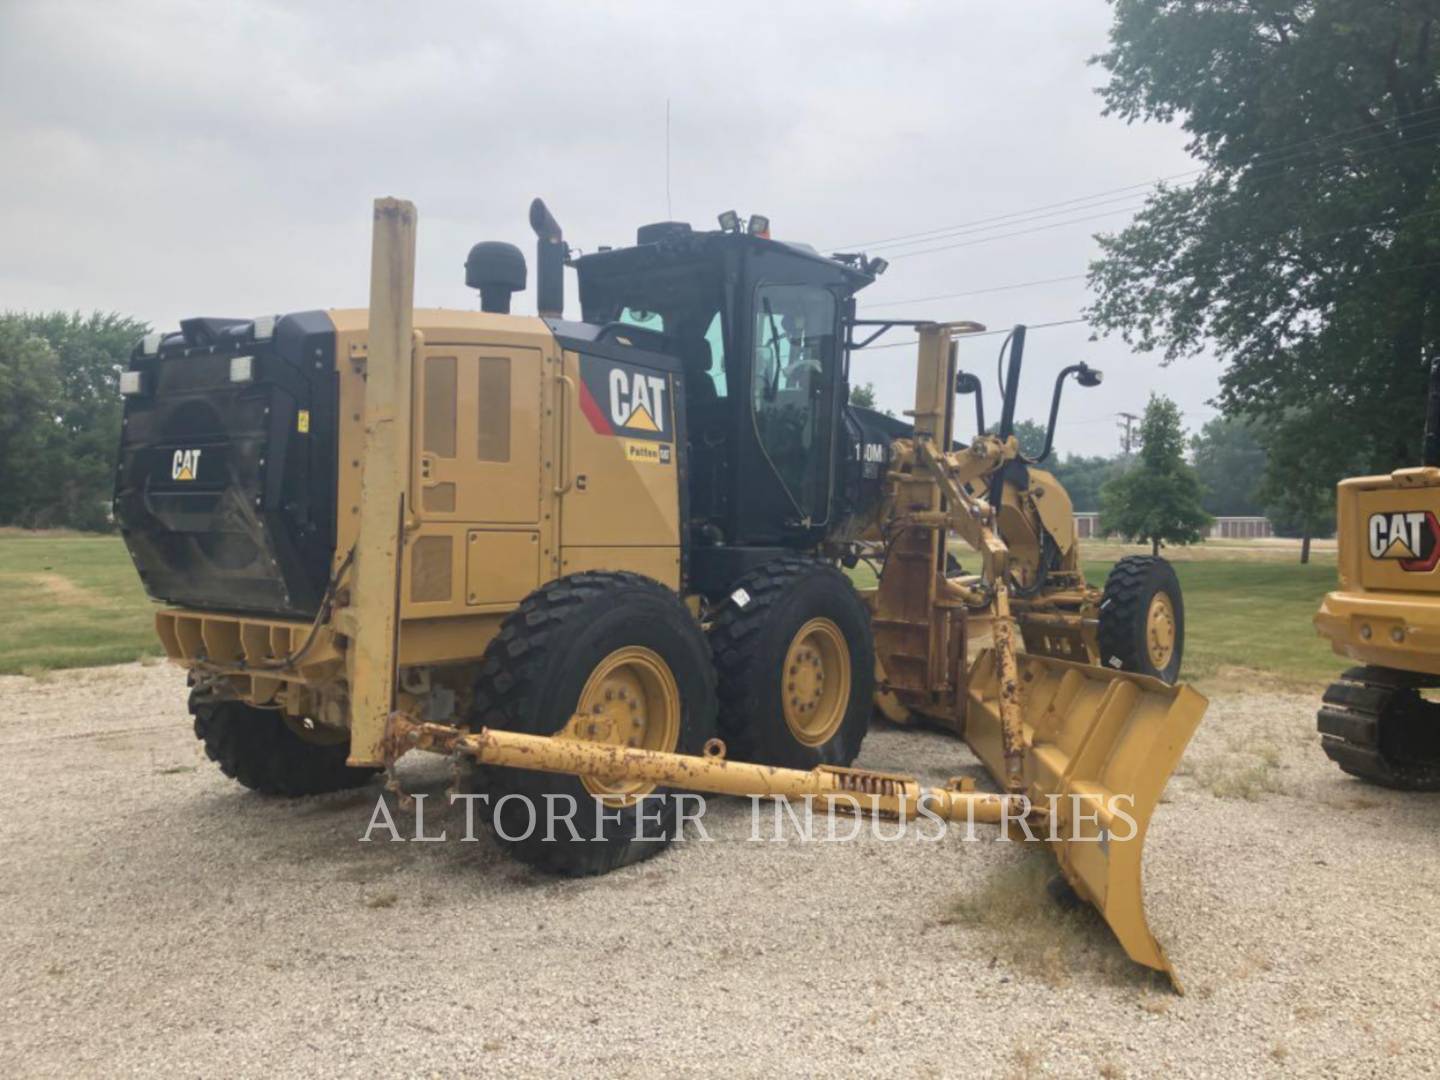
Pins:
x: 603, y: 559
x: 1375, y: 721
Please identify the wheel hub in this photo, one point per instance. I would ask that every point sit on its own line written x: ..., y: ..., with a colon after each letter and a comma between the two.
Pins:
x: 815, y: 682
x: 630, y: 700
x: 1160, y: 631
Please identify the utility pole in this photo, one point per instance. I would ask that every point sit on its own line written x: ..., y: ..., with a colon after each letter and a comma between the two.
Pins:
x: 1127, y: 438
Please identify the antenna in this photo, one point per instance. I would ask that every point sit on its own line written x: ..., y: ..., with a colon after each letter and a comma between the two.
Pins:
x: 669, y: 214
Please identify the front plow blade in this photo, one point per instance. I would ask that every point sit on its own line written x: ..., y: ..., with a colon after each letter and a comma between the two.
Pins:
x: 1102, y: 745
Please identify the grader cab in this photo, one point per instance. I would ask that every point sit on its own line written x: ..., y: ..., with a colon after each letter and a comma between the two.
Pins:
x: 602, y: 559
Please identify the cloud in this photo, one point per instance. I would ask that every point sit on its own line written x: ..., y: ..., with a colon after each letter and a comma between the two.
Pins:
x: 175, y: 158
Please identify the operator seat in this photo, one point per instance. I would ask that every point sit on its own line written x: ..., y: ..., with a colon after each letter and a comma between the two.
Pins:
x: 706, y: 413
x: 695, y: 357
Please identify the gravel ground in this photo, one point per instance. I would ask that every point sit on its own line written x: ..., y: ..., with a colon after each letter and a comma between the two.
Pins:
x: 160, y: 920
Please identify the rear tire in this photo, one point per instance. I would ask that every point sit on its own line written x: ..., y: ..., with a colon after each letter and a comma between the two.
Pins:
x: 800, y: 622
x: 634, y: 635
x: 1375, y: 725
x: 1142, y: 618
x: 258, y: 748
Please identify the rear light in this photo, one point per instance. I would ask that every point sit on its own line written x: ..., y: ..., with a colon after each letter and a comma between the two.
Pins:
x: 263, y: 328
x: 242, y: 368
x: 150, y: 343
x: 132, y: 383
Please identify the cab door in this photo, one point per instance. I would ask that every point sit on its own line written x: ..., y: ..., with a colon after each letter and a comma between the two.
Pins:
x: 794, y: 370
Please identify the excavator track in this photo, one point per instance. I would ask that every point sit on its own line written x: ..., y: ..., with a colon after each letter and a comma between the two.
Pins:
x: 1375, y: 725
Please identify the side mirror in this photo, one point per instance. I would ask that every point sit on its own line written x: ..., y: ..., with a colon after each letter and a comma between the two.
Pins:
x: 1085, y: 375
x: 965, y: 383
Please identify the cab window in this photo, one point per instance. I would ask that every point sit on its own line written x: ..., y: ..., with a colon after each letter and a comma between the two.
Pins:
x: 715, y: 338
x: 793, y: 375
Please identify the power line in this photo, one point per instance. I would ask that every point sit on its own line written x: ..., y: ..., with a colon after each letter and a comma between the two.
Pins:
x: 1276, y: 156
x: 967, y: 337
x: 977, y: 292
x: 1379, y: 223
x: 1066, y: 277
x: 1053, y: 225
x: 1019, y: 219
x: 1077, y: 277
x: 1018, y: 232
x: 1003, y: 219
x: 1072, y: 322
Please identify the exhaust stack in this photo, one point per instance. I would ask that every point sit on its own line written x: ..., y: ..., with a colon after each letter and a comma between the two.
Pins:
x: 550, y: 252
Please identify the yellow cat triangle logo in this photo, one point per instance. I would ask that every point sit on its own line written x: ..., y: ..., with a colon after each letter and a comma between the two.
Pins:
x: 1398, y: 549
x: 641, y: 420
x: 185, y: 464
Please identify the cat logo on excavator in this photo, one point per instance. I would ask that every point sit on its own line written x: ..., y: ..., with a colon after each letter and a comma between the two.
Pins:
x: 1411, y: 537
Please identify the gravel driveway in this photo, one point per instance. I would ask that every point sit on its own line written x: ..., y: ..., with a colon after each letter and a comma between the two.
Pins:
x: 157, y: 919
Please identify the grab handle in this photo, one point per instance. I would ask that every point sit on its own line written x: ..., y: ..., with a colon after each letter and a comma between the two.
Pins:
x: 568, y: 392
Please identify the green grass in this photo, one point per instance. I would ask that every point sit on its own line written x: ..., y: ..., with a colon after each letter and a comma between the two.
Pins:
x: 1251, y: 615
x: 1247, y: 608
x: 70, y: 600
x: 73, y: 600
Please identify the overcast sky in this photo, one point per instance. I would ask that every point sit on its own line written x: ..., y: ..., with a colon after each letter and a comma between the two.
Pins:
x: 166, y: 159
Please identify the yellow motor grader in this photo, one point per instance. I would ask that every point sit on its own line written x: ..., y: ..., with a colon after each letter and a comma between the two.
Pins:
x: 601, y: 559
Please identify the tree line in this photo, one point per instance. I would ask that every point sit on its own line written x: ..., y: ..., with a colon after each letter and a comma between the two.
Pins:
x: 60, y: 413
x: 1170, y: 487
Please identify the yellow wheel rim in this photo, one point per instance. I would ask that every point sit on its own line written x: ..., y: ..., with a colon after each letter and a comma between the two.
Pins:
x: 1160, y: 631
x: 630, y: 699
x: 815, y: 682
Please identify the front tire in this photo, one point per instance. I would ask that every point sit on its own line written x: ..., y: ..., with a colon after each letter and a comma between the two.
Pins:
x: 797, y: 666
x: 624, y: 650
x: 257, y: 748
x: 1142, y: 618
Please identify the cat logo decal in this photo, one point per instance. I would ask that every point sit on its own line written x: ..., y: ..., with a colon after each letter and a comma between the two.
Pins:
x: 185, y: 465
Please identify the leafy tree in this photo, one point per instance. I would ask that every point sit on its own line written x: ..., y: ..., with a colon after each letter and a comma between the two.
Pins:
x: 1230, y: 463
x: 1158, y: 499
x: 864, y: 396
x: 1083, y: 477
x: 1298, y: 493
x: 29, y: 388
x: 60, y: 415
x: 1031, y: 437
x: 1305, y: 254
